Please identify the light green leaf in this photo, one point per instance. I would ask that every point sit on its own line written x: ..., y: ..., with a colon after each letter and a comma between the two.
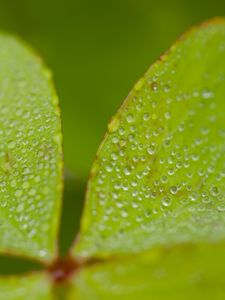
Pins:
x: 183, y: 272
x: 27, y: 287
x: 30, y: 154
x: 158, y: 178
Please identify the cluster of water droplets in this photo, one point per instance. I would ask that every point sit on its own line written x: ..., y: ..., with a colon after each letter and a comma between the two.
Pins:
x: 159, y: 175
x: 29, y: 155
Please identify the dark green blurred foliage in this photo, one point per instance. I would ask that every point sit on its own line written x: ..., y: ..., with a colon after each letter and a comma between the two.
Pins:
x: 11, y: 265
x: 71, y: 211
x: 96, y: 51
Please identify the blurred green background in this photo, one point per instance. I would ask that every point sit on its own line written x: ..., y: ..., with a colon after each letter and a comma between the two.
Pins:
x: 97, y: 50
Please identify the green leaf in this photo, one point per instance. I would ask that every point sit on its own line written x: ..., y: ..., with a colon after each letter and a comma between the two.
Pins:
x: 183, y: 272
x: 27, y: 287
x: 30, y: 154
x: 158, y: 178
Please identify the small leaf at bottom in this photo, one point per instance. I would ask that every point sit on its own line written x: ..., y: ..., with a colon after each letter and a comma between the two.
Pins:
x: 26, y: 287
x: 184, y: 272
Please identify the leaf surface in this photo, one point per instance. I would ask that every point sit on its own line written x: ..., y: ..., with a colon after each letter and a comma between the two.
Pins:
x: 158, y: 178
x: 26, y: 287
x: 30, y: 154
x: 183, y: 272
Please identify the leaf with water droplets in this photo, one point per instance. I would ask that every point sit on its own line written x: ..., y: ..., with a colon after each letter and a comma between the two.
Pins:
x: 158, y: 178
x: 30, y: 154
x: 183, y: 272
x: 26, y: 287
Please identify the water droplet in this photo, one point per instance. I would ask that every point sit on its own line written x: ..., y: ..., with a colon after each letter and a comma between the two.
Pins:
x: 114, y: 156
x: 151, y: 150
x: 18, y: 193
x: 167, y: 115
x: 154, y: 86
x: 20, y: 207
x: 214, y: 191
x: 124, y: 214
x: 193, y: 196
x: 166, y: 201
x: 173, y: 189
x: 130, y: 118
x: 108, y: 168
x: 146, y: 117
x: 207, y: 94
x: 221, y: 208
x: 115, y: 139
x: 127, y: 171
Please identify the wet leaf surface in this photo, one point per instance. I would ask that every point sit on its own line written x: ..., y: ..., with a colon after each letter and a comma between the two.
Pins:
x: 158, y: 178
x: 182, y: 272
x: 32, y: 287
x: 30, y: 154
